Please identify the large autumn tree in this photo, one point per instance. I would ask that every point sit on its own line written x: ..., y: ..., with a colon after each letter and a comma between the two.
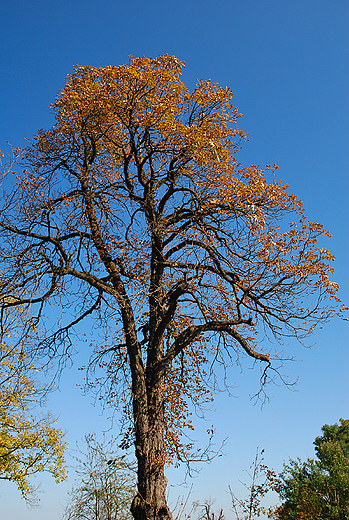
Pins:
x: 133, y: 215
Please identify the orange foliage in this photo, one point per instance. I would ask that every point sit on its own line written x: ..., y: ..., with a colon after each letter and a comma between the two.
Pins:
x: 135, y: 207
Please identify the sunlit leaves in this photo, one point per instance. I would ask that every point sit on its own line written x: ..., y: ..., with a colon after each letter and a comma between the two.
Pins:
x: 134, y: 215
x: 29, y: 443
x: 318, y: 488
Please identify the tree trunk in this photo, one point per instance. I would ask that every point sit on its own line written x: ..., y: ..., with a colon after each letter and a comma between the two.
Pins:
x: 150, y: 502
x: 149, y: 414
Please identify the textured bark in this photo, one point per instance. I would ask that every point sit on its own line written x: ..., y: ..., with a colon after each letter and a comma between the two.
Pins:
x: 149, y: 417
x: 150, y: 502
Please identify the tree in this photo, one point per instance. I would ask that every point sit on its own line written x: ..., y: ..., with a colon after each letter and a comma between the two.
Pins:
x: 133, y: 211
x: 206, y: 511
x: 28, y: 442
x: 106, y: 484
x: 319, y: 489
x: 263, y: 480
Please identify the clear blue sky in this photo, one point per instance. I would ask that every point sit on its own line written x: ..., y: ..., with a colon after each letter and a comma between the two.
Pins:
x: 287, y: 64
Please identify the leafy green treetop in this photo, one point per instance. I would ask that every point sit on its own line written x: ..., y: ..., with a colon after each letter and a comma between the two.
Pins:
x: 319, y: 489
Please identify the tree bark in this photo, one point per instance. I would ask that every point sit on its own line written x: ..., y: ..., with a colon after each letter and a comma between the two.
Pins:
x: 150, y: 501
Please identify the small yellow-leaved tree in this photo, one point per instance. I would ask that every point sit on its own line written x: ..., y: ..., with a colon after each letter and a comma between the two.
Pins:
x: 28, y: 441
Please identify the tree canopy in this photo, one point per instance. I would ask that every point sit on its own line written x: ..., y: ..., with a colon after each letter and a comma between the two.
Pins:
x: 29, y: 443
x: 133, y: 214
x: 318, y: 489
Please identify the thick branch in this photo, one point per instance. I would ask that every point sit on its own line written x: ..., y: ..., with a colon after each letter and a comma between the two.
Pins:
x: 191, y: 333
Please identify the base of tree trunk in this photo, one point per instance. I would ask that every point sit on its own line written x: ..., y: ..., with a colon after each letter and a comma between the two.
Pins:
x: 142, y: 510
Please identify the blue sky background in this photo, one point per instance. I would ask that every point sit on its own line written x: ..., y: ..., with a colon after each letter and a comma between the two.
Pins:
x: 287, y: 64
